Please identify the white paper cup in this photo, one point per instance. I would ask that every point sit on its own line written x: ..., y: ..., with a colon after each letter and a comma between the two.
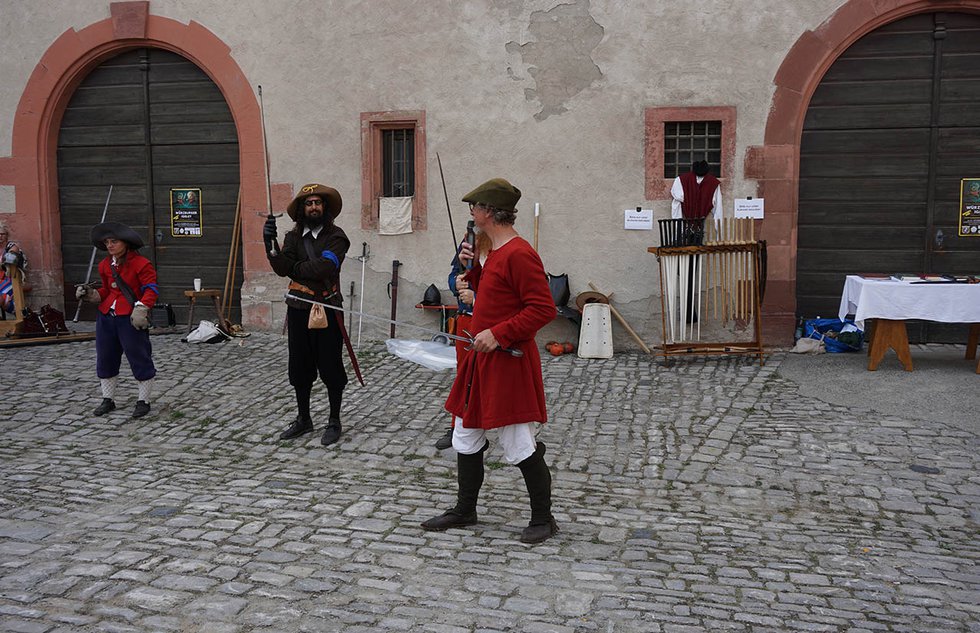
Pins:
x: 197, y: 285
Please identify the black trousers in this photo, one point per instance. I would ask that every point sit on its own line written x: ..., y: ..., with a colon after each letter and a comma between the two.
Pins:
x: 313, y: 352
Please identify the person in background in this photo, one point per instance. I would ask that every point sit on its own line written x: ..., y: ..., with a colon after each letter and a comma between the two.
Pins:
x: 12, y: 254
x: 465, y: 298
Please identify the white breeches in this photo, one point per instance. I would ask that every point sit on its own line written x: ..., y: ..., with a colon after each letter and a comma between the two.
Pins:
x: 517, y: 440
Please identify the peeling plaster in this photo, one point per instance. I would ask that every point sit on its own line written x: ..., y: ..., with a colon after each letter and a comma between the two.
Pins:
x: 559, y: 60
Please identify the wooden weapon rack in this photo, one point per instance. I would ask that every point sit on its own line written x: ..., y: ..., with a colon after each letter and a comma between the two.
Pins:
x: 709, y: 275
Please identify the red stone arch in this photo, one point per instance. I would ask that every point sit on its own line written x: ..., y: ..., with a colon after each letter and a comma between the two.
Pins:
x: 32, y: 166
x: 776, y: 165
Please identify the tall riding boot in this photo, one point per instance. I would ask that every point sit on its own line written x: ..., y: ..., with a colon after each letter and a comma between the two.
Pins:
x: 537, y: 478
x: 469, y: 477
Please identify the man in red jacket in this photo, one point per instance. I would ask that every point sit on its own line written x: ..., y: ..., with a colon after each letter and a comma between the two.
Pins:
x: 494, y: 389
x: 129, y: 290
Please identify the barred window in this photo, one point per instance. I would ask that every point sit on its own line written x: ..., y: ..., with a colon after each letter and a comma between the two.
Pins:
x: 398, y: 163
x: 686, y: 142
x: 393, y: 163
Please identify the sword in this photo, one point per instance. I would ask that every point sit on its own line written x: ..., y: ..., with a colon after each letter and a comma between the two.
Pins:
x: 466, y: 339
x: 363, y: 258
x: 350, y: 350
x: 91, y: 261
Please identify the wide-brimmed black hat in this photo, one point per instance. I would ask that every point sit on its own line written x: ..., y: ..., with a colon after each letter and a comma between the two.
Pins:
x: 331, y: 199
x: 116, y: 230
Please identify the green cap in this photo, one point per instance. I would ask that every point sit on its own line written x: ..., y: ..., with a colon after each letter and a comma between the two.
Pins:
x: 496, y: 192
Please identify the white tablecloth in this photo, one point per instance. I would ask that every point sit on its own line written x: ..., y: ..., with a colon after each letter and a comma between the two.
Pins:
x: 901, y: 300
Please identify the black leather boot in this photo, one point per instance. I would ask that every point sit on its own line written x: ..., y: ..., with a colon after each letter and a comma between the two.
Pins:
x: 469, y: 476
x: 300, y: 426
x: 537, y: 478
x: 142, y: 408
x: 106, y: 406
x: 446, y: 441
x: 332, y: 433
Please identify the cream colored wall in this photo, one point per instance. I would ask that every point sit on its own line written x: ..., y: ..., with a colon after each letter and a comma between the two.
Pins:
x: 488, y: 112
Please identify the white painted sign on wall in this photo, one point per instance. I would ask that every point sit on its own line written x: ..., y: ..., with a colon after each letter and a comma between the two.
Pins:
x: 749, y: 208
x: 638, y: 219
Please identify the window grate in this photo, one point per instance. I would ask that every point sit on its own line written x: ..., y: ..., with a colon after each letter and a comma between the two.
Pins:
x: 398, y: 163
x: 686, y: 142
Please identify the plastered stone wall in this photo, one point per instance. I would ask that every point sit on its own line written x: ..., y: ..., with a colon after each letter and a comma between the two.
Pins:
x: 547, y: 94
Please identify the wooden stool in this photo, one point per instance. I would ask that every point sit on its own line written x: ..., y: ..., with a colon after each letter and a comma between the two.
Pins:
x: 193, y: 296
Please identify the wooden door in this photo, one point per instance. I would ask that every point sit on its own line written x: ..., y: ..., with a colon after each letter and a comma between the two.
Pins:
x: 146, y: 122
x: 893, y: 126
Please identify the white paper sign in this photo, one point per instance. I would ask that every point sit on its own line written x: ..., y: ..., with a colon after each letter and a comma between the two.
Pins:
x: 749, y: 208
x: 639, y: 220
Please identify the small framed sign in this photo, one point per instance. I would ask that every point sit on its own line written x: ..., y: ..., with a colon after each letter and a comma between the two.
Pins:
x: 754, y: 208
x: 185, y: 213
x: 969, y: 207
x: 638, y: 219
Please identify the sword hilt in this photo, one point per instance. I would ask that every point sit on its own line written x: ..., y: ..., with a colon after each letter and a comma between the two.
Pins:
x: 516, y: 353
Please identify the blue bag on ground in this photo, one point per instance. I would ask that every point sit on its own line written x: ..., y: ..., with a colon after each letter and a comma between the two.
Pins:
x: 838, y: 336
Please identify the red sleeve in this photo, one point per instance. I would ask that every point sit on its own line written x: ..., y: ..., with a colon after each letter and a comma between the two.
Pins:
x: 473, y: 276
x: 106, y: 277
x: 147, y: 292
x: 530, y: 282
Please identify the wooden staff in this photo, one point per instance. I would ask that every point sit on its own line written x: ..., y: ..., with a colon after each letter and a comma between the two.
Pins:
x: 725, y: 256
x: 537, y: 211
x: 717, y: 266
x: 228, y: 289
x: 755, y: 282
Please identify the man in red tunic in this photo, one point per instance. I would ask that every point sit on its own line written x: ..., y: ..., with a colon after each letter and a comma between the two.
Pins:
x: 494, y: 389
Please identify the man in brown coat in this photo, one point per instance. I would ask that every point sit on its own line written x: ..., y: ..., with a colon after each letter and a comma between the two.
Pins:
x: 311, y: 256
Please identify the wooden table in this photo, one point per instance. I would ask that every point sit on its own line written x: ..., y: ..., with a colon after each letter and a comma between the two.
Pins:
x: 446, y: 314
x: 193, y: 295
x: 890, y: 303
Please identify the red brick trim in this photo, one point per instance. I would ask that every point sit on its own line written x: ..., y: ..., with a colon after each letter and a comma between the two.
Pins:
x: 656, y: 186
x: 372, y: 123
x: 129, y: 19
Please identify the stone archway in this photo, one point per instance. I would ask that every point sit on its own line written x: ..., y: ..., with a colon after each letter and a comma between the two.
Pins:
x: 775, y: 165
x: 31, y: 167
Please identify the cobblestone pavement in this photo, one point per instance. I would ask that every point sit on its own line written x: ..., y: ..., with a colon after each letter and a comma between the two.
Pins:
x: 708, y: 496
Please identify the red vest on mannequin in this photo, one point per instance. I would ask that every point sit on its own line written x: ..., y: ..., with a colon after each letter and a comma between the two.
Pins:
x: 698, y: 197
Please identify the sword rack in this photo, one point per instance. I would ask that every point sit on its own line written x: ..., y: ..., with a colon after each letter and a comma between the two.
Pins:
x: 710, y: 284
